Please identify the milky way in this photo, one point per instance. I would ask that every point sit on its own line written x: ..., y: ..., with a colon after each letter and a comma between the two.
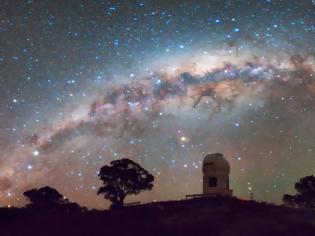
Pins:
x: 163, y: 84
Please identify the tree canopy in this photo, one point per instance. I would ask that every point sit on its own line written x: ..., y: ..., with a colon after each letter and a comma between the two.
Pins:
x: 48, y: 198
x: 305, y: 197
x: 121, y: 178
x: 44, y: 195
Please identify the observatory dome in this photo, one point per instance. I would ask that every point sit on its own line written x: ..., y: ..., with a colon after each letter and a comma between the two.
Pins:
x: 215, y: 163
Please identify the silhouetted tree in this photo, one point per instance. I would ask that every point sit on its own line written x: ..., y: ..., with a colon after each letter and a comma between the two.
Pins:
x: 45, y: 195
x: 48, y: 198
x: 305, y: 197
x: 121, y: 178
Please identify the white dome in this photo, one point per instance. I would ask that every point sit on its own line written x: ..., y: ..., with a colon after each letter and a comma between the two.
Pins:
x: 215, y: 162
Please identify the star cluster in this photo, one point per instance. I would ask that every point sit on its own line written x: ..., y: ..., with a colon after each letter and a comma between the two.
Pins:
x: 160, y: 82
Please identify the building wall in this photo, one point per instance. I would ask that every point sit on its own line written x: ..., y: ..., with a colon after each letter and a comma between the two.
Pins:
x: 222, y: 184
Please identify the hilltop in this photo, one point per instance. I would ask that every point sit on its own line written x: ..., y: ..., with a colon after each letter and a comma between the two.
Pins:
x: 212, y: 216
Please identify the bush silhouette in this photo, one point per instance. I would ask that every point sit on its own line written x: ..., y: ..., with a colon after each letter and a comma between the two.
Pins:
x: 305, y: 198
x: 45, y: 195
x: 49, y: 198
x: 121, y: 178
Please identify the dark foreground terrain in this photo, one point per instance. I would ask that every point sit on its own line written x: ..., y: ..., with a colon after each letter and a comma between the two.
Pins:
x: 215, y: 216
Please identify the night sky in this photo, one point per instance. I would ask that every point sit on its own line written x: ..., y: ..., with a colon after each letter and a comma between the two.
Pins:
x: 163, y: 83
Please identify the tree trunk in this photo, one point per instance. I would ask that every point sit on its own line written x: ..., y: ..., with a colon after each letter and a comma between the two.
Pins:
x: 119, y: 203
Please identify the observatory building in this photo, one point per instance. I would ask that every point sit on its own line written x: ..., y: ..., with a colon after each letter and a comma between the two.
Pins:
x: 216, y: 170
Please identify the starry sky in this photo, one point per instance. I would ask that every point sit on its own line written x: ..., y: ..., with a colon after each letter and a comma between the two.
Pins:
x: 163, y: 83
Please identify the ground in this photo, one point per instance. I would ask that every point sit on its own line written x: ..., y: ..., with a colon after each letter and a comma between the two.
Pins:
x: 214, y: 216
